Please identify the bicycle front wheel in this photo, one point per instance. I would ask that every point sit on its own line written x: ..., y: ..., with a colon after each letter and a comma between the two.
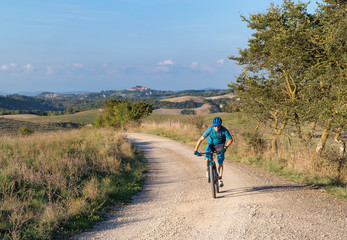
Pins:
x: 213, y: 180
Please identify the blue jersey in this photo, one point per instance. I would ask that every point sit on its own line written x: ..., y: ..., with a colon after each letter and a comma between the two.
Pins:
x: 217, y: 137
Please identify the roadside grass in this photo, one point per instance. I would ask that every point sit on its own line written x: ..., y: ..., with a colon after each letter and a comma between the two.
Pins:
x: 292, y: 161
x: 58, y: 183
x: 173, y: 129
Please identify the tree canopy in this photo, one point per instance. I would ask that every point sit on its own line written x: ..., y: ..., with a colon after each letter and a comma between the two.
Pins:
x: 294, y: 68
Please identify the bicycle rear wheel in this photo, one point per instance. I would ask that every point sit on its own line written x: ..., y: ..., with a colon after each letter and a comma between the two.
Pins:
x: 213, y: 180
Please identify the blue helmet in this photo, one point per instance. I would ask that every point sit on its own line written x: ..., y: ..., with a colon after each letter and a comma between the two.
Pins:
x: 217, y: 121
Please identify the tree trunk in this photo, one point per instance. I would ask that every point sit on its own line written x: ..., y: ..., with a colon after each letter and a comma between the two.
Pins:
x: 342, y: 144
x: 278, y: 132
x: 297, y: 125
x: 311, y: 132
x: 274, y: 144
x: 322, y: 141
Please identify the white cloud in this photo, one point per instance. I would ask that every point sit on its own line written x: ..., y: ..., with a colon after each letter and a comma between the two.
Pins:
x: 207, y: 68
x: 162, y: 69
x: 29, y: 66
x: 199, y: 67
x: 7, y: 67
x: 78, y: 65
x: 4, y: 67
x: 166, y: 62
x: 49, y: 70
x: 194, y: 65
x: 220, y: 61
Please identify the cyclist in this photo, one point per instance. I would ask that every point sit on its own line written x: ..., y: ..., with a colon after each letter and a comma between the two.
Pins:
x: 217, y: 136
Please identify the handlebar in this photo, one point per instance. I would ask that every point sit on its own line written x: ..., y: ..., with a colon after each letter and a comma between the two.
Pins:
x: 205, y: 153
x: 213, y: 149
x: 208, y: 153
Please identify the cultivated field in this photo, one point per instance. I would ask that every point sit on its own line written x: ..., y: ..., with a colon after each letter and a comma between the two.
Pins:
x: 203, y: 110
x: 185, y: 98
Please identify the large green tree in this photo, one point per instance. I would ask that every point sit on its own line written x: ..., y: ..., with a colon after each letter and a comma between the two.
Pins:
x: 295, y: 68
x: 328, y: 84
x: 278, y: 55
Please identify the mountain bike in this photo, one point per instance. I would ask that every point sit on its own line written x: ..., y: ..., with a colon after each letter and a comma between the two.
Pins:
x: 212, y: 171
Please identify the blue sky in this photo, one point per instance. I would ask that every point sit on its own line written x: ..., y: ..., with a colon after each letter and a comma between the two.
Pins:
x: 85, y: 45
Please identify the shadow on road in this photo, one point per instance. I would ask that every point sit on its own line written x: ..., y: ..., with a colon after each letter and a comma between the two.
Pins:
x: 237, y: 192
x: 141, y: 145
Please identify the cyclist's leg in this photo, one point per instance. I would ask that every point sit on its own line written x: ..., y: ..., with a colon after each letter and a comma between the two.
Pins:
x: 220, y: 164
x: 220, y: 168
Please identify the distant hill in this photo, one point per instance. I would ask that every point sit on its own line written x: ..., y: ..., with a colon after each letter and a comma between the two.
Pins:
x: 28, y: 94
x: 135, y: 92
x: 33, y: 94
x: 19, y: 102
x: 50, y: 101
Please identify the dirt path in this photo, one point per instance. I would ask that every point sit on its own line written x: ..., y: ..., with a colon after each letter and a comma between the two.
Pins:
x: 176, y: 203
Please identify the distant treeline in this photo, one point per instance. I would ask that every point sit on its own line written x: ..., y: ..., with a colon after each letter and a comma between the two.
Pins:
x: 37, y: 112
x: 156, y: 103
x: 203, y: 93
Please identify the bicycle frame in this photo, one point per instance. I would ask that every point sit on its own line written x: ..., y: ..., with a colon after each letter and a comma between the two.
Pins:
x: 213, y: 173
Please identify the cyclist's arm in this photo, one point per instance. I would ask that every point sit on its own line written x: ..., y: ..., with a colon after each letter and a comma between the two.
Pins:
x: 228, y: 143
x: 229, y: 138
x: 198, y: 143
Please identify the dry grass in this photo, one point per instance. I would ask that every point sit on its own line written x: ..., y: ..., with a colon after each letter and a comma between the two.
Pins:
x: 50, y: 179
x: 174, y: 129
x: 293, y: 160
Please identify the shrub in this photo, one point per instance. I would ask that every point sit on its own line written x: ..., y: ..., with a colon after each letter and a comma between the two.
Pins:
x: 25, y: 131
x: 118, y: 112
x: 254, y: 141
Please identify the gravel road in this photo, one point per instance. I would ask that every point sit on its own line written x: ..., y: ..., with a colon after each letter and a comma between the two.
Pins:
x: 176, y: 203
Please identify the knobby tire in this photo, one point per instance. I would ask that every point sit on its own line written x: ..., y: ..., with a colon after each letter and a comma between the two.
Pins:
x: 209, y: 175
x: 217, y: 183
x: 213, y: 180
